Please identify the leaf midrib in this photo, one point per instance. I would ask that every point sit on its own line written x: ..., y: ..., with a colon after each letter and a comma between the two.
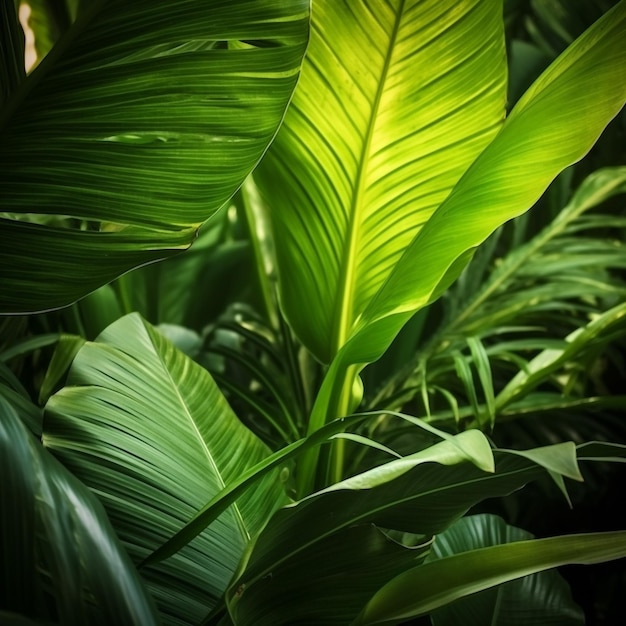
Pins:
x: 235, y: 509
x: 347, y: 283
x: 357, y: 519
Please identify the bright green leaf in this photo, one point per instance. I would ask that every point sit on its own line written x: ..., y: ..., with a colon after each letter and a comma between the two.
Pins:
x: 395, y: 101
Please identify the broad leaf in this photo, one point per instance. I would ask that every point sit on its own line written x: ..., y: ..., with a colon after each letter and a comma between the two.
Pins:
x: 326, y: 585
x: 421, y: 494
x: 541, y: 137
x: 448, y: 579
x: 148, y: 430
x: 395, y: 101
x: 138, y: 125
x: 57, y: 541
x: 543, y: 598
x: 469, y: 447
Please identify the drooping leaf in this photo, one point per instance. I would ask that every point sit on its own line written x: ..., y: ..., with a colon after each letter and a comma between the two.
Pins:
x: 421, y: 494
x: 139, y: 124
x: 57, y: 541
x: 148, y: 430
x: 445, y: 580
x: 395, y: 101
x: 542, y: 598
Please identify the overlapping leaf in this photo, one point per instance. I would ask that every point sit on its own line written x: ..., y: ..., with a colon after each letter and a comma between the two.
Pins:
x: 138, y: 125
x: 148, y: 430
x: 481, y: 569
x: 543, y: 598
x: 395, y: 101
x: 421, y: 494
x: 540, y: 138
x: 60, y: 556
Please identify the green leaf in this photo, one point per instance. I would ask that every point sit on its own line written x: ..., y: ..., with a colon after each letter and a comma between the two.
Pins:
x: 56, y: 539
x: 227, y: 496
x: 138, y: 125
x: 342, y: 573
x: 542, y: 598
x: 14, y: 393
x: 395, y: 101
x: 421, y: 494
x: 600, y: 330
x: 445, y: 580
x: 541, y: 137
x: 149, y: 431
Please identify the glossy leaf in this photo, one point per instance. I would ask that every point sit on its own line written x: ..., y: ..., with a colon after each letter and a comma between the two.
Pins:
x: 421, y: 494
x: 138, y: 125
x: 543, y: 598
x: 56, y: 539
x: 476, y: 451
x: 396, y: 99
x: 448, y: 579
x: 148, y: 430
x: 540, y: 138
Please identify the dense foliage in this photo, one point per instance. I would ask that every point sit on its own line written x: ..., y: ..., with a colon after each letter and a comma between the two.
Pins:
x: 322, y: 406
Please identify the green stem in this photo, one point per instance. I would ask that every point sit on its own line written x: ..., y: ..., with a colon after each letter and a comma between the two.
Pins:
x: 333, y: 401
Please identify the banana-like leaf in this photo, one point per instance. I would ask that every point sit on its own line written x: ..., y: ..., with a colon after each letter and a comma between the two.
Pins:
x: 395, y: 101
x: 552, y: 126
x: 61, y: 557
x: 149, y: 431
x: 473, y: 447
x: 421, y: 494
x: 423, y: 589
x: 138, y: 125
x: 543, y: 598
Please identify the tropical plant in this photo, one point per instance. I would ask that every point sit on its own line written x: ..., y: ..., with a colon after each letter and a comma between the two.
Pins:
x: 187, y: 446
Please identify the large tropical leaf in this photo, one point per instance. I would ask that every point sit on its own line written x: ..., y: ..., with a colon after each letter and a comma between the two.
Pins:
x: 61, y: 558
x: 148, y: 430
x: 541, y: 137
x: 543, y: 598
x: 138, y: 125
x: 421, y: 494
x: 395, y: 101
